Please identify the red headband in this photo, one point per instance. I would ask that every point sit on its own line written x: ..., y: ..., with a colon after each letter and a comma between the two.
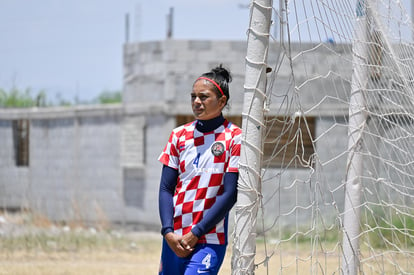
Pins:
x: 212, y: 81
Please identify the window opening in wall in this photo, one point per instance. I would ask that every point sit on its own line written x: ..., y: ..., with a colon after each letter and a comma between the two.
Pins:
x: 287, y: 140
x: 134, y: 187
x: 144, y: 143
x: 183, y: 119
x: 21, y: 142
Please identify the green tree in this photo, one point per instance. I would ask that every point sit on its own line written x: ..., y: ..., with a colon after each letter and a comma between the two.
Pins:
x: 108, y: 97
x: 16, y: 98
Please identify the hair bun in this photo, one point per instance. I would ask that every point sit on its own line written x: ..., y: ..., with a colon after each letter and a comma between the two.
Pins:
x: 222, y: 72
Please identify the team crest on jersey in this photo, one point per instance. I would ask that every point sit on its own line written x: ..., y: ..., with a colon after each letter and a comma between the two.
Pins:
x: 217, y: 149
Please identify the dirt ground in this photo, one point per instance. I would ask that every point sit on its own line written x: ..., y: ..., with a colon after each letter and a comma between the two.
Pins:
x: 36, y: 247
x: 140, y: 253
x: 133, y: 253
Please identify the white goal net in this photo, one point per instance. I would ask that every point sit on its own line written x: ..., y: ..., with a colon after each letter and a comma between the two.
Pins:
x: 328, y: 186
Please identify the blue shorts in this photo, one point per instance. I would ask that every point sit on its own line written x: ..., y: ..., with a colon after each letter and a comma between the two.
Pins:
x: 205, y: 259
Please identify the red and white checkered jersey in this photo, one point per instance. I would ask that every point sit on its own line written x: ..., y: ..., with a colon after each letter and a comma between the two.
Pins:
x: 201, y: 160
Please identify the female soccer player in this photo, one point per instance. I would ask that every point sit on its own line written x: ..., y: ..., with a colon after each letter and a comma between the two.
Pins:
x: 199, y: 181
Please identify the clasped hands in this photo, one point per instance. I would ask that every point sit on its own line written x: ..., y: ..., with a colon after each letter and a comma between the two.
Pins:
x: 181, y: 245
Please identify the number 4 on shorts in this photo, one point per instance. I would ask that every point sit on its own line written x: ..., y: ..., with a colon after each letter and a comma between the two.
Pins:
x: 207, y: 261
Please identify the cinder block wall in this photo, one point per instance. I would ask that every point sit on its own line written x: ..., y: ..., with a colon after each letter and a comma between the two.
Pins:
x: 164, y: 71
x: 74, y: 165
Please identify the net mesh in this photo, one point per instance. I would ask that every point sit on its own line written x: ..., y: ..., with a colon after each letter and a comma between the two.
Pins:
x: 307, y: 151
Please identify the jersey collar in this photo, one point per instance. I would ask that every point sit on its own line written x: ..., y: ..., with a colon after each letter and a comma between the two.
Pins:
x: 205, y: 126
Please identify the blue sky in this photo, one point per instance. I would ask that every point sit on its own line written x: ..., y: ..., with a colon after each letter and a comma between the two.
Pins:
x: 73, y: 48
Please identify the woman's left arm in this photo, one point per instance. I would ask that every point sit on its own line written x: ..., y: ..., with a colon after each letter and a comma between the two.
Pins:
x: 221, y: 207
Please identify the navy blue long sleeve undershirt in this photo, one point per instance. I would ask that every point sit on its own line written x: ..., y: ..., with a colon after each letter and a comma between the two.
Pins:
x: 165, y: 198
x: 215, y: 214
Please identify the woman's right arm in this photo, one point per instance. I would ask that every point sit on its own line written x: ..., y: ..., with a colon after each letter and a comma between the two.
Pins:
x: 165, y: 198
x: 168, y: 182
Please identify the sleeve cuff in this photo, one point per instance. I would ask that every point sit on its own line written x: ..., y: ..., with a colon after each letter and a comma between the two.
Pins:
x: 197, y: 232
x: 166, y: 230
